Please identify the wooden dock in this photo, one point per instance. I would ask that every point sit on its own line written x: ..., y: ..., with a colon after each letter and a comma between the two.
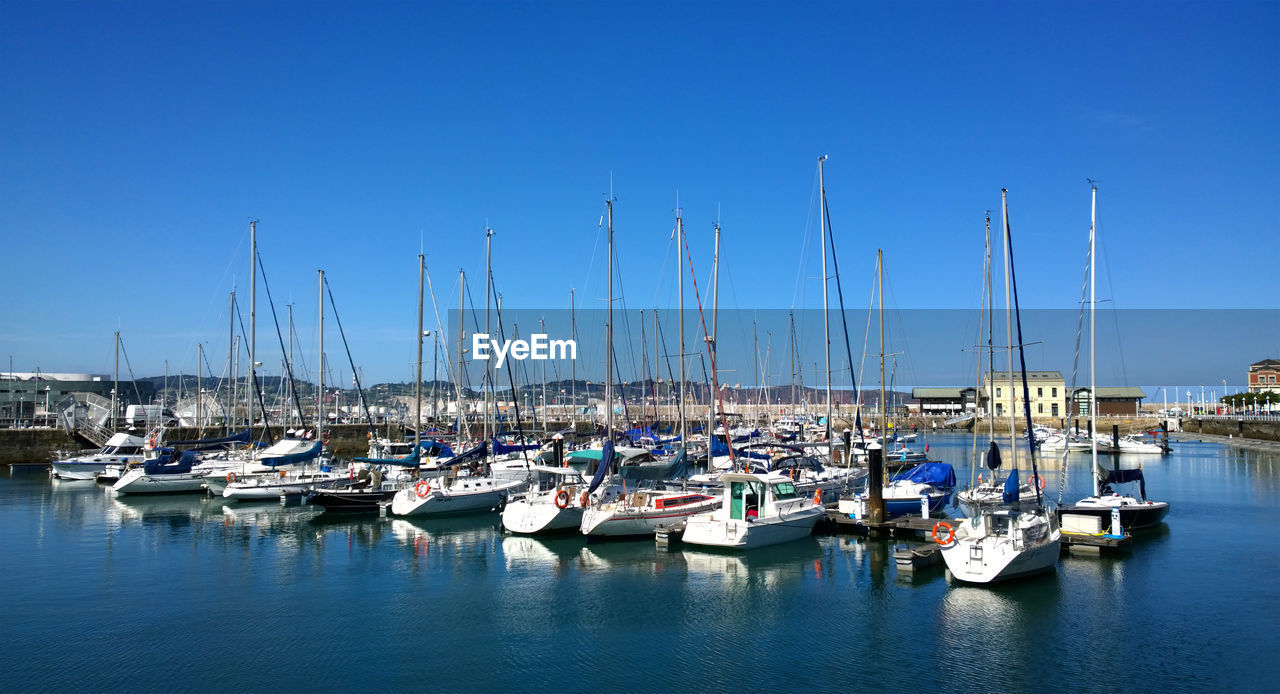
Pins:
x: 1081, y: 543
x: 901, y: 526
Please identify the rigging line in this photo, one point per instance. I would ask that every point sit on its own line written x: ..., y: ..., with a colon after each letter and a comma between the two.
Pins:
x: 514, y: 399
x: 355, y: 373
x: 835, y: 266
x: 866, y: 339
x: 1113, y: 310
x: 1022, y: 358
x: 1075, y: 366
x: 448, y: 366
x: 132, y: 379
x: 804, y: 243
x: 254, y: 384
x: 302, y: 416
x: 724, y: 418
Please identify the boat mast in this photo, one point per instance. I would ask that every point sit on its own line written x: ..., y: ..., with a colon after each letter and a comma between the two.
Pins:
x: 542, y: 325
x: 875, y: 476
x: 608, y: 339
x: 826, y: 321
x: 462, y: 417
x: 320, y: 415
x: 715, y: 309
x: 991, y: 349
x: 231, y: 360
x: 1008, y: 320
x: 684, y: 435
x: 1093, y: 379
x: 199, y: 395
x: 115, y: 387
x: 288, y: 420
x: 417, y: 398
x: 791, y: 342
x: 488, y: 289
x: 253, y: 299
x: 573, y: 368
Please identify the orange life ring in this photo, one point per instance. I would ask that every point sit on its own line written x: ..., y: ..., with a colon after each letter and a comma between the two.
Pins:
x: 817, y: 496
x: 584, y: 499
x: 282, y: 474
x: 422, y: 489
x: 231, y: 477
x: 1039, y: 481
x: 152, y: 441
x: 950, y: 533
x: 562, y: 499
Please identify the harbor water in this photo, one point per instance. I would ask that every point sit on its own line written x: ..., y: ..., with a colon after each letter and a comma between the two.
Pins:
x: 188, y: 593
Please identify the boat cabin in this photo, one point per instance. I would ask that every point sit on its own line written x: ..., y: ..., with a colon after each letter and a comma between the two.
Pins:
x: 749, y: 496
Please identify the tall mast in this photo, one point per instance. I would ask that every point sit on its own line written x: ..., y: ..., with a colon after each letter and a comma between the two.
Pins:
x: 115, y: 387
x: 715, y: 315
x: 199, y: 392
x: 462, y: 417
x: 288, y: 421
x: 791, y: 341
x: 417, y: 398
x: 542, y: 325
x: 253, y: 299
x: 826, y: 321
x: 991, y: 326
x: 1093, y: 381
x: 1008, y: 320
x: 231, y: 359
x: 488, y: 287
x: 573, y: 367
x: 608, y: 339
x: 684, y: 435
x: 320, y: 415
x: 884, y: 424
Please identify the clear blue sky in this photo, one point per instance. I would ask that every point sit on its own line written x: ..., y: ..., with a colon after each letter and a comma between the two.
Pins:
x: 140, y: 137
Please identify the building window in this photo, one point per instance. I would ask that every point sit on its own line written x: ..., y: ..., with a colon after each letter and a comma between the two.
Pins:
x: 1055, y: 409
x: 999, y: 409
x: 1055, y: 394
x: 997, y: 392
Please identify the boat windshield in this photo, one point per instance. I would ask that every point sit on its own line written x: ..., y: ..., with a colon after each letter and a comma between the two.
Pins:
x: 784, y: 490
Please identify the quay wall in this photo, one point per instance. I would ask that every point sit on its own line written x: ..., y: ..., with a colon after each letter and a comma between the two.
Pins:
x: 36, y: 445
x: 1238, y: 428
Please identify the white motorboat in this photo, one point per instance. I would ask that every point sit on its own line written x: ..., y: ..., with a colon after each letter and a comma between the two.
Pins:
x: 172, y: 472
x: 756, y: 510
x: 554, y: 503
x: 121, y: 449
x: 451, y: 495
x: 1136, y: 444
x: 998, y: 545
x: 272, y: 486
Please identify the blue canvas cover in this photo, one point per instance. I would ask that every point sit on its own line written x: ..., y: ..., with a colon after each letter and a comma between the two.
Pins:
x: 606, y: 459
x: 1123, y: 476
x: 170, y: 462
x: 500, y: 448
x: 1011, y: 487
x: 993, y: 456
x: 678, y: 468
x: 309, y: 454
x: 940, y: 475
x: 220, y: 443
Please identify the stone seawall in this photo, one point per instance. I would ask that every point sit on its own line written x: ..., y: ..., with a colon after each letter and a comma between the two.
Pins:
x: 1262, y: 431
x: 36, y: 445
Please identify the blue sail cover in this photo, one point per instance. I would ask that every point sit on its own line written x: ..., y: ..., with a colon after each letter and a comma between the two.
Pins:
x: 640, y: 433
x: 220, y: 443
x: 170, y: 462
x: 940, y: 475
x: 1011, y: 487
x: 475, y: 454
x: 1123, y: 476
x: 500, y: 448
x: 606, y: 459
x: 678, y: 468
x: 301, y: 457
x: 993, y: 457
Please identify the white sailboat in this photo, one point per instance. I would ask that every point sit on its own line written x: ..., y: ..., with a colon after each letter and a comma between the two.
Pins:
x: 553, y: 502
x: 1000, y: 544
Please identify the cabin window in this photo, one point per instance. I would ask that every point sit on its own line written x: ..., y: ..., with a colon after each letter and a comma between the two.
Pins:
x: 784, y: 490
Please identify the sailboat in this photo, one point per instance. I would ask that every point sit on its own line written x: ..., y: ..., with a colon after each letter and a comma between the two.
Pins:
x: 613, y: 511
x: 998, y: 544
x: 1134, y: 512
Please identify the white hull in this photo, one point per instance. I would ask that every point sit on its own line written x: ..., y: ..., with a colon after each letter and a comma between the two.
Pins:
x: 464, y: 495
x: 977, y: 556
x: 615, y: 519
x: 138, y: 482
x: 531, y: 517
x: 711, y: 531
x: 88, y: 469
x: 270, y: 488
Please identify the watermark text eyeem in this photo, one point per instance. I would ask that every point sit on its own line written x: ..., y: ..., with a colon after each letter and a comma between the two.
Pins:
x: 538, y: 346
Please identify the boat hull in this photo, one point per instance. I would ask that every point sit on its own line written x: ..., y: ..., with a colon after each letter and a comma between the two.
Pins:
x: 349, y: 501
x: 531, y: 517
x: 611, y: 520
x: 476, y: 496
x: 708, y: 531
x: 1132, y: 516
x: 137, y: 482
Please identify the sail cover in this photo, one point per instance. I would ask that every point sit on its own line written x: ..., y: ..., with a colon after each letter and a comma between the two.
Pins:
x: 940, y: 475
x: 606, y: 459
x: 1011, y: 487
x: 993, y: 457
x: 1123, y: 476
x: 678, y: 468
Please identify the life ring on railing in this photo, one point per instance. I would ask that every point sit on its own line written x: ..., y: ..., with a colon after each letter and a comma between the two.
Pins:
x: 1039, y: 480
x: 282, y: 474
x: 231, y: 477
x: 817, y: 496
x: 950, y: 533
x: 584, y: 500
x: 151, y: 442
x: 562, y: 499
x: 422, y: 489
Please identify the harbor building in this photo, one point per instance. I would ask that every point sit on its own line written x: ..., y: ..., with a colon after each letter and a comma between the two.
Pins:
x: 32, y: 398
x: 1112, y: 401
x: 1264, y: 376
x: 1047, y: 391
x: 946, y: 401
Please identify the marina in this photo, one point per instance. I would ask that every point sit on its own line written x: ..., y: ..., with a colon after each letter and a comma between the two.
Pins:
x: 258, y: 584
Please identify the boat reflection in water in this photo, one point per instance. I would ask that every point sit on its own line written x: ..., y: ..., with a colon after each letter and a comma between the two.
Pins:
x: 470, y: 534
x: 523, y: 553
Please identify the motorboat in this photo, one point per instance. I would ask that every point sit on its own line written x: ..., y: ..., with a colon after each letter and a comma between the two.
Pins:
x: 553, y: 502
x: 121, y: 450
x: 1000, y: 544
x: 170, y: 472
x: 272, y: 486
x: 756, y: 510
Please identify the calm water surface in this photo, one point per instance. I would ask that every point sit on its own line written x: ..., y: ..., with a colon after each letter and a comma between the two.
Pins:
x: 184, y: 593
